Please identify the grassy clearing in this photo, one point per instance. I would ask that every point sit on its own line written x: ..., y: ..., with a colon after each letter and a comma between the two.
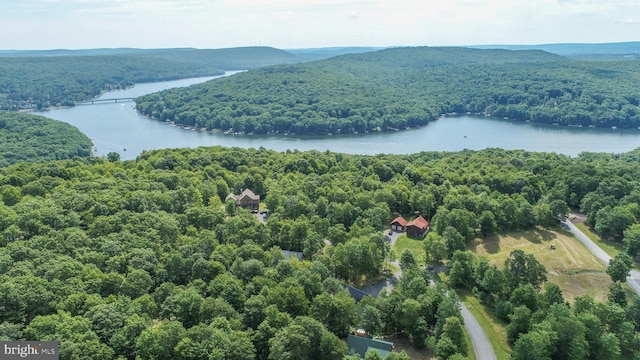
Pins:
x: 571, y: 266
x: 492, y: 326
x: 415, y: 246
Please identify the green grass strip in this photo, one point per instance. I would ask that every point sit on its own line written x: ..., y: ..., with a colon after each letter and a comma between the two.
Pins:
x: 471, y: 355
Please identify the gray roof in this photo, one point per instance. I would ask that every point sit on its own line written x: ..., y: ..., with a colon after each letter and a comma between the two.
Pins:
x: 360, y: 345
x: 246, y: 192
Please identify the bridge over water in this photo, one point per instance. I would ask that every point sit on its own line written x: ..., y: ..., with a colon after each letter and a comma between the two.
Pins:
x: 105, y: 101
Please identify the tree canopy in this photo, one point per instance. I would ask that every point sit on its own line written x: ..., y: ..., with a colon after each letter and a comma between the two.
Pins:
x: 42, y: 79
x: 143, y: 259
x: 26, y: 137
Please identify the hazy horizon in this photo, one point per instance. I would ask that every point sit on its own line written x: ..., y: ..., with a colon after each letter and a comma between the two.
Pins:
x: 288, y: 24
x: 322, y: 47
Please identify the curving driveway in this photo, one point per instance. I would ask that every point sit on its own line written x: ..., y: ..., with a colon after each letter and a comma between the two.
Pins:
x: 481, y: 345
x: 634, y: 276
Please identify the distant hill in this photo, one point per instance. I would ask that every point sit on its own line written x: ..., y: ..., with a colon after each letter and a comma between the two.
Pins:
x: 42, y: 82
x: 306, y: 54
x: 252, y: 56
x: 632, y: 47
x: 327, y: 52
x: 67, y: 52
x: 396, y: 88
x: 240, y: 58
x: 27, y: 137
x: 40, y: 79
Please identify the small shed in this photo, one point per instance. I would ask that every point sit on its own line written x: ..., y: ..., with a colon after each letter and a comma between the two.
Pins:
x: 398, y: 224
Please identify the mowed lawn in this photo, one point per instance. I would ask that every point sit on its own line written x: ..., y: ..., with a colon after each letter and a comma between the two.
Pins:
x: 571, y: 266
x: 414, y: 245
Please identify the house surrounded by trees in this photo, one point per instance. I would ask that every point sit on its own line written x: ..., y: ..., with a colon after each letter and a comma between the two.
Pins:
x: 417, y: 228
x: 246, y: 199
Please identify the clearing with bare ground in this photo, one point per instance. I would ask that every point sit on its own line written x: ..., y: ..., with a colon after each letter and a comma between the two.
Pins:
x: 571, y: 266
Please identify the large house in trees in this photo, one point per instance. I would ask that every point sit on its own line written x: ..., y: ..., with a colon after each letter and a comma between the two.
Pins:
x: 247, y: 199
x: 418, y: 227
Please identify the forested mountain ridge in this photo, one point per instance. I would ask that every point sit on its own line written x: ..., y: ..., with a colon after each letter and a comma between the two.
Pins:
x: 235, y: 58
x: 144, y: 259
x: 45, y: 81
x: 42, y: 82
x: 26, y: 137
x: 239, y: 58
x: 396, y: 88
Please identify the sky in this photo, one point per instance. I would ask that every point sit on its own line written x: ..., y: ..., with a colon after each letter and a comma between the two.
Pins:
x: 289, y: 24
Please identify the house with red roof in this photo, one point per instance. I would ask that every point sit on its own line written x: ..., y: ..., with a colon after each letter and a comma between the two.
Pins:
x: 398, y: 224
x: 418, y: 227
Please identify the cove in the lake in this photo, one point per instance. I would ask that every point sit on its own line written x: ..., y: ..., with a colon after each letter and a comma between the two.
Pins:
x: 118, y: 127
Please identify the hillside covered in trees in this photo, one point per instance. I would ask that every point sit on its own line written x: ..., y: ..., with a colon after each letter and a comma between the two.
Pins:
x: 397, y: 88
x: 145, y: 260
x: 56, y: 78
x: 26, y: 137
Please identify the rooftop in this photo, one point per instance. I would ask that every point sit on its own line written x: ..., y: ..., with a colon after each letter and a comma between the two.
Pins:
x: 360, y: 345
x: 419, y: 222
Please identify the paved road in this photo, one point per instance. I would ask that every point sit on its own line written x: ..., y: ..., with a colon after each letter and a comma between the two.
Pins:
x: 481, y: 345
x: 634, y: 276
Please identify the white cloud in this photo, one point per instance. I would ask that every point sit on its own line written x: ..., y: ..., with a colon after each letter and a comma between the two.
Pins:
x: 629, y: 21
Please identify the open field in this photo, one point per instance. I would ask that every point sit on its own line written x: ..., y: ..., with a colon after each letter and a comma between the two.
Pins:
x: 570, y: 266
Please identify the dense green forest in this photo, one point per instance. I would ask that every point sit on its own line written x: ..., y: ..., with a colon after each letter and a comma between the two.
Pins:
x: 26, y: 137
x: 404, y: 87
x: 59, y: 77
x: 145, y: 260
x: 42, y: 82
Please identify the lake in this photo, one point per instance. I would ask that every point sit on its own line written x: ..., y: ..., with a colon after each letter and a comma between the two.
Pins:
x: 118, y: 127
